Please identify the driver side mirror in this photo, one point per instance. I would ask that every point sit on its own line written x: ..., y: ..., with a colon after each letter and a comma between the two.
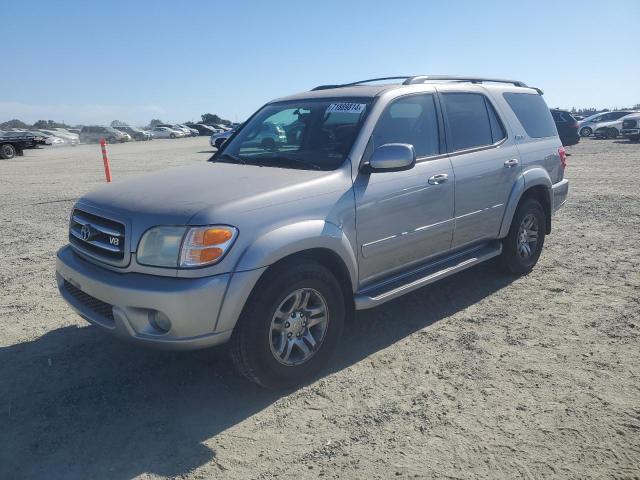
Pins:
x: 392, y: 157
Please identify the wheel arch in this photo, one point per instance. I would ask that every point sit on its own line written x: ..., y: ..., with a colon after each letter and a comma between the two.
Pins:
x: 534, y: 183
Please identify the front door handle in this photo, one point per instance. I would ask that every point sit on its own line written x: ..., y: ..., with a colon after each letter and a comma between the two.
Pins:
x: 438, y: 179
x: 511, y: 163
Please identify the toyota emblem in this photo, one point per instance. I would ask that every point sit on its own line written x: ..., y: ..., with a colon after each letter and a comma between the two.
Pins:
x: 85, y: 232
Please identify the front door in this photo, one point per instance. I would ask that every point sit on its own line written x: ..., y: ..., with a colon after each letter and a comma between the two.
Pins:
x: 403, y: 218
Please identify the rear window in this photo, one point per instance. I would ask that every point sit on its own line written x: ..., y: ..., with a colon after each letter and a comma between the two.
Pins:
x: 532, y: 113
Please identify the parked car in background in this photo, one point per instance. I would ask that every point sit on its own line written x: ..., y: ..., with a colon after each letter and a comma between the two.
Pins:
x: 47, y: 138
x: 68, y: 137
x: 192, y: 131
x: 567, y: 127
x: 271, y: 248
x: 94, y: 133
x: 13, y: 143
x: 186, y: 131
x: 203, y: 130
x: 166, y: 132
x: 631, y: 127
x: 134, y: 132
x: 609, y: 129
x: 590, y: 124
x: 218, y: 138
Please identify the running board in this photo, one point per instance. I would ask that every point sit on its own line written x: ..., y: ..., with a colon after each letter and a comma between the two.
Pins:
x: 405, y: 283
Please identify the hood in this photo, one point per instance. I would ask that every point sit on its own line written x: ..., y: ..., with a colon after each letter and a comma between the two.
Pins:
x: 174, y: 196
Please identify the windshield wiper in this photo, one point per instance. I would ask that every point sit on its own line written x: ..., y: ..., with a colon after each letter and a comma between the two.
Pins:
x: 290, y: 160
x: 231, y: 156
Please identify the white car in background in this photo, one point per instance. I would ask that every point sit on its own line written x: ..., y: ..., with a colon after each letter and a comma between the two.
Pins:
x: 592, y: 123
x: 192, y: 131
x: 68, y: 137
x: 166, y: 132
x: 609, y: 129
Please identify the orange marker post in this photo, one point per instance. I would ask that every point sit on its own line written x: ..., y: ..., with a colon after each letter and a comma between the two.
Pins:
x: 105, y: 160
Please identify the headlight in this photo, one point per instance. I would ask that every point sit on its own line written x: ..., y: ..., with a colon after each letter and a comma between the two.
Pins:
x: 185, y: 246
x: 160, y: 246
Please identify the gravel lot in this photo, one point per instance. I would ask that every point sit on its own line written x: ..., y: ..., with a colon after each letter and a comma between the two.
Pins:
x: 480, y: 376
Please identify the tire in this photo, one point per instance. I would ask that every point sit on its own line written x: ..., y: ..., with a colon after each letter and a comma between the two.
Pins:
x: 111, y: 140
x: 7, y: 151
x: 514, y: 257
x: 219, y: 143
x: 585, y: 132
x: 172, y: 135
x: 263, y: 345
x: 612, y: 133
x: 634, y: 138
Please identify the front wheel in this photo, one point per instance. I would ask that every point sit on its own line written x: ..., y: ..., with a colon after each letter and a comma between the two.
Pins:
x: 585, y: 132
x: 290, y: 326
x: 612, y: 133
x: 7, y: 151
x: 523, y: 244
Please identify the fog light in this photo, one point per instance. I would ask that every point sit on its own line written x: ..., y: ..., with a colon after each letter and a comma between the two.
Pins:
x: 161, y: 322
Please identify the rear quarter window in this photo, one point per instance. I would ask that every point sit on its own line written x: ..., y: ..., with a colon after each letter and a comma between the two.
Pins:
x: 533, y: 114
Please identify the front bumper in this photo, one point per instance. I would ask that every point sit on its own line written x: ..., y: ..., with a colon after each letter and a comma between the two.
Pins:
x: 560, y: 192
x: 125, y: 304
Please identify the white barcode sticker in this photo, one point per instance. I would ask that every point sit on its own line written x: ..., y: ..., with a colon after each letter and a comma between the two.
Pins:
x: 346, y: 108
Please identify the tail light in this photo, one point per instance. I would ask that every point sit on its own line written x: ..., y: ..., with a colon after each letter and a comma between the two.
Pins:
x: 574, y: 125
x: 563, y: 157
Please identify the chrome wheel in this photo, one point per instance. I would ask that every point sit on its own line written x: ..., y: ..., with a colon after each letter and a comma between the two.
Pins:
x: 298, y: 326
x: 528, y: 236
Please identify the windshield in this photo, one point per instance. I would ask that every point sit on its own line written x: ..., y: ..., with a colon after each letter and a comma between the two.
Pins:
x: 307, y: 134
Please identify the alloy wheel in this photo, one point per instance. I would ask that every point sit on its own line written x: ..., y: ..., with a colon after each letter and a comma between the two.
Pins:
x: 298, y: 326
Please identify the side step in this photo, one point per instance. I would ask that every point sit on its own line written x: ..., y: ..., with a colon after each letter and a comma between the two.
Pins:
x: 389, y: 289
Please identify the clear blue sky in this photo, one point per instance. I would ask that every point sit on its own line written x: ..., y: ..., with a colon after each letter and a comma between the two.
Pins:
x: 92, y: 62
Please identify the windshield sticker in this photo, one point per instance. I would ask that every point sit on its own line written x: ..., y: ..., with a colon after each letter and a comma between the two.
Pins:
x: 346, y: 108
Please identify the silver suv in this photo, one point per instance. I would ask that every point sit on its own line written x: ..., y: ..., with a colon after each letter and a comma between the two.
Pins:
x: 371, y: 191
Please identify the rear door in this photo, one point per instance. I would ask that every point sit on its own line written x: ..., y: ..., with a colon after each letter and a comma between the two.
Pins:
x: 485, y: 162
x: 406, y: 217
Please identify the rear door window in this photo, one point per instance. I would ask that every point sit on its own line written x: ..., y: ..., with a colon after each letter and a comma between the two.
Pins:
x: 532, y: 113
x: 469, y: 121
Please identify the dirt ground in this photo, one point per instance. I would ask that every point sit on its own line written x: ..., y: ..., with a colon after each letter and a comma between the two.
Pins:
x: 480, y: 376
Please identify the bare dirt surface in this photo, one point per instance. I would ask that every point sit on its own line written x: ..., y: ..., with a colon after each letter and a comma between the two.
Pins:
x: 480, y: 376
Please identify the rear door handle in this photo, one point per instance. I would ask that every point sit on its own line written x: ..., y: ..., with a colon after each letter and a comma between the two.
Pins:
x: 438, y: 179
x: 511, y: 163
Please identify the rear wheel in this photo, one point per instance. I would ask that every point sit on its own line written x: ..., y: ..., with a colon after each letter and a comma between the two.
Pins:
x: 290, y: 326
x: 585, y: 132
x: 7, y: 151
x: 523, y: 244
x: 172, y: 135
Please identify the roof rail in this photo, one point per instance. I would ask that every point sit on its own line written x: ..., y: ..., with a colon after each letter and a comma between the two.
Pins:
x: 453, y: 78
x: 416, y: 79
x: 351, y: 84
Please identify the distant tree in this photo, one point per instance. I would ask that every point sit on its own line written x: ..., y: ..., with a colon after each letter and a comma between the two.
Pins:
x: 212, y: 119
x: 15, y: 123
x: 154, y: 122
x: 50, y: 124
x: 118, y: 123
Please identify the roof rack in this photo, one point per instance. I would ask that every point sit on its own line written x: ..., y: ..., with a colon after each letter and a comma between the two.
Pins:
x: 359, y: 82
x: 416, y: 79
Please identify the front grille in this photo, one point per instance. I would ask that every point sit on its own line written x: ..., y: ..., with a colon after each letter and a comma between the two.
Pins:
x: 99, y: 307
x: 98, y: 235
x: 629, y: 124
